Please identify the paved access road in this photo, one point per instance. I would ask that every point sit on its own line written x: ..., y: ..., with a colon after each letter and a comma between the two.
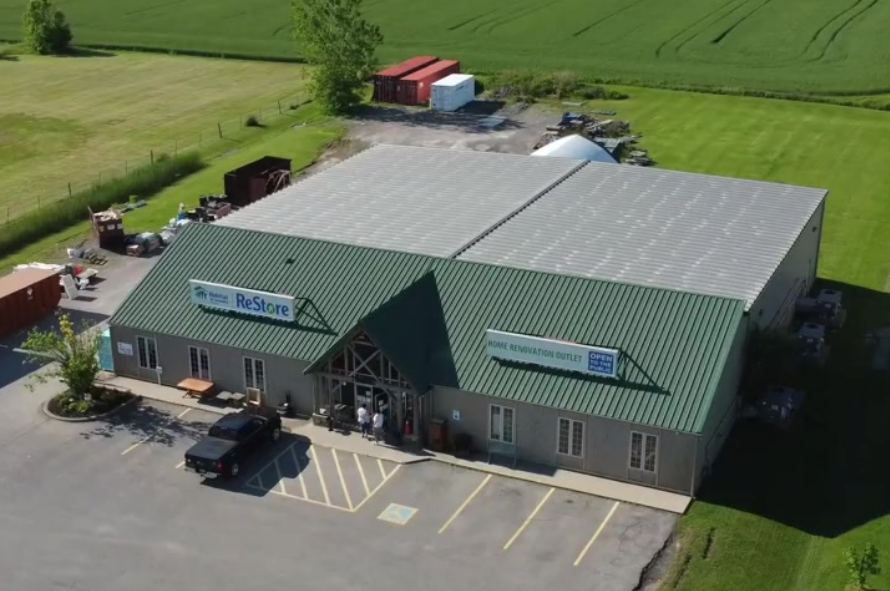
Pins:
x: 106, y: 506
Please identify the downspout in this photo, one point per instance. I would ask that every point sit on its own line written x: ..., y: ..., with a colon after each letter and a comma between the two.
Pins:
x: 694, y: 464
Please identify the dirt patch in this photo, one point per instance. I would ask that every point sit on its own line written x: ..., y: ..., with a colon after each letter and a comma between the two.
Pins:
x: 516, y: 134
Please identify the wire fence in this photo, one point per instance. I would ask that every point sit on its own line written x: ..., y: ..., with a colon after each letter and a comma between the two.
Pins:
x: 223, y: 132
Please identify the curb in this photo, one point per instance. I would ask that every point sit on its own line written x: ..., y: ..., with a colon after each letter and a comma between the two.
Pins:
x: 52, y: 415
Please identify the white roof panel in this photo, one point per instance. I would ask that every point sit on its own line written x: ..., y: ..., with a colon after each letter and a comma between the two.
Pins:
x: 676, y: 230
x: 429, y: 201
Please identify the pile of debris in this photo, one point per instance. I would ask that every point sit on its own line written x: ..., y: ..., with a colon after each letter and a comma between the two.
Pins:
x: 613, y: 135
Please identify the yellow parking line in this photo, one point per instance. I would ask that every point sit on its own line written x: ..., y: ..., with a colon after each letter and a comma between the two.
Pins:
x: 596, y: 534
x: 342, y: 480
x: 382, y: 471
x: 528, y: 520
x: 324, y: 488
x: 361, y: 472
x: 183, y: 413
x: 300, y: 472
x: 377, y: 488
x: 280, y: 477
x: 465, y: 503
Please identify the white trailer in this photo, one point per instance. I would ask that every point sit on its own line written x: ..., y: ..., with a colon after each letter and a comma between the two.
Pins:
x: 452, y: 92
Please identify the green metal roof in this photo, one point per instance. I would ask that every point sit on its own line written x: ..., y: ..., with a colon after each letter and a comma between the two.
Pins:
x: 429, y: 316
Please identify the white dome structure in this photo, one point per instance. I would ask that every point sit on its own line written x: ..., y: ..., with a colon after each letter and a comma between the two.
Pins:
x: 577, y: 148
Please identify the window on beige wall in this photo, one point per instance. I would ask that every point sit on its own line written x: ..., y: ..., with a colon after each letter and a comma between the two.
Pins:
x: 643, y: 451
x: 571, y: 438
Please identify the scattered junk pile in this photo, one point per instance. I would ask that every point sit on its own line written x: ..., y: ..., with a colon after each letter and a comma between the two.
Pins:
x: 71, y: 278
x: 243, y: 186
x: 814, y: 319
x: 779, y: 407
x: 424, y: 80
x: 611, y: 134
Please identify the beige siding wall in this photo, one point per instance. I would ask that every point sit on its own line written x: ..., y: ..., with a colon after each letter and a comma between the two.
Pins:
x: 226, y: 365
x: 606, y: 442
x: 795, y: 276
x: 725, y: 408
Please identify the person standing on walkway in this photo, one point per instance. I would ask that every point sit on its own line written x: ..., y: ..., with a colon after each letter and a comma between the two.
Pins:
x: 364, y: 421
x: 378, y: 427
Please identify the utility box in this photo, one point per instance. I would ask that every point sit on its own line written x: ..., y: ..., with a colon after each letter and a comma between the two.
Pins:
x: 257, y: 180
x: 437, y: 434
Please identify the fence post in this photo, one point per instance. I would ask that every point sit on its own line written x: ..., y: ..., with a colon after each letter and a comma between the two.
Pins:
x: 219, y: 128
x: 176, y: 148
x: 200, y: 139
x: 279, y: 107
x: 69, y: 196
x: 126, y: 166
x: 152, y: 154
x: 100, y: 177
x: 241, y: 121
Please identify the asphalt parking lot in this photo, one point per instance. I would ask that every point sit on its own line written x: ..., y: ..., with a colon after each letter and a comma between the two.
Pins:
x: 105, y: 506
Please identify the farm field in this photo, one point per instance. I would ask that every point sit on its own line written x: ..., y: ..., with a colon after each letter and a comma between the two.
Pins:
x: 73, y: 119
x: 301, y: 144
x: 821, y: 46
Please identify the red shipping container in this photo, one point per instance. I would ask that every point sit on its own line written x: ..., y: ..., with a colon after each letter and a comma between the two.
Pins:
x: 27, y: 296
x: 386, y: 80
x: 414, y: 89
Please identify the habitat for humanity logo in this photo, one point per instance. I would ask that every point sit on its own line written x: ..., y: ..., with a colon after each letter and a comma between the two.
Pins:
x: 202, y: 294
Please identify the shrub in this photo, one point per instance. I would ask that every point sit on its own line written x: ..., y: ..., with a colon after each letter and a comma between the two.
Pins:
x: 46, y: 29
x: 861, y: 564
x: 144, y: 181
x: 252, y: 121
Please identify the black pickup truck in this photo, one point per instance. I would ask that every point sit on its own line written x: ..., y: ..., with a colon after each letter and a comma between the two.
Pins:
x: 230, y: 441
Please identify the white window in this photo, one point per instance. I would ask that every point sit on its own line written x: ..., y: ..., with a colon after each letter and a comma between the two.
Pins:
x: 255, y: 374
x: 199, y: 363
x: 643, y: 451
x: 501, y: 424
x: 571, y: 438
x: 148, y: 352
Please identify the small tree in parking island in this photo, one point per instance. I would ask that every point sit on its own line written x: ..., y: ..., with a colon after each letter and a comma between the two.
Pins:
x: 46, y: 29
x: 862, y: 563
x: 334, y: 37
x: 73, y: 356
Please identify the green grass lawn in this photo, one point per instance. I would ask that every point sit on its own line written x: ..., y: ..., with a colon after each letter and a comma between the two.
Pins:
x: 781, y: 508
x: 816, y: 45
x: 302, y: 144
x: 81, y: 118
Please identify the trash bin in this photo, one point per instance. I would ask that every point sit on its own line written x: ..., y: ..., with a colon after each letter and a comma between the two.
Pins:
x: 438, y: 434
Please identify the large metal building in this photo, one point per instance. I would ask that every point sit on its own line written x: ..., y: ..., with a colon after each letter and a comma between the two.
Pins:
x: 588, y: 316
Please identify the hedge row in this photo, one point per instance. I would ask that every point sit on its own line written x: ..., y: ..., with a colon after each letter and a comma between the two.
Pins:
x: 142, y: 182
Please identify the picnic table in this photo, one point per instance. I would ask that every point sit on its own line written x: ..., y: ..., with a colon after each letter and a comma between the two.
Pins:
x: 195, y: 387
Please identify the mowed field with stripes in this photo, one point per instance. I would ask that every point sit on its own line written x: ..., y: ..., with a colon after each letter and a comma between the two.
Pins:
x: 817, y: 46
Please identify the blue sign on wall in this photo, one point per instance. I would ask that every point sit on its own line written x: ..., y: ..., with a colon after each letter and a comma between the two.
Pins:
x: 602, y: 363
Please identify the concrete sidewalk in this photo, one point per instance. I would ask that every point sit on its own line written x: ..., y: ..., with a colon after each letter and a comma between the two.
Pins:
x: 352, y: 442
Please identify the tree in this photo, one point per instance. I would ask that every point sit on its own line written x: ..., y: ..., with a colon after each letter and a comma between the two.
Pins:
x: 46, y: 29
x: 74, y: 355
x: 862, y: 563
x: 335, y: 38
